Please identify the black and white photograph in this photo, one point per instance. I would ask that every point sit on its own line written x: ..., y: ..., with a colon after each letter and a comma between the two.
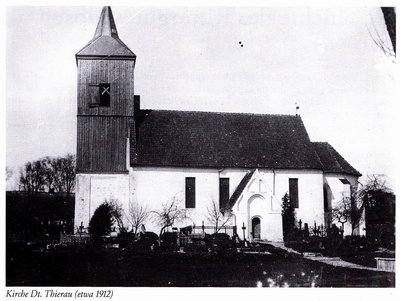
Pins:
x: 199, y: 146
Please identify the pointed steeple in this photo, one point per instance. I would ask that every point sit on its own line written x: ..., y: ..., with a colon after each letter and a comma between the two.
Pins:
x: 106, y: 25
x: 105, y: 42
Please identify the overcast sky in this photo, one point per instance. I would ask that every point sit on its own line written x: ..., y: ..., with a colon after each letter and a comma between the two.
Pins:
x: 190, y: 59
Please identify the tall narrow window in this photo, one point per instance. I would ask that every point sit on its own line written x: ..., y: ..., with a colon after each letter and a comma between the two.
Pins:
x: 190, y: 193
x: 223, y: 192
x: 105, y: 93
x: 294, y: 192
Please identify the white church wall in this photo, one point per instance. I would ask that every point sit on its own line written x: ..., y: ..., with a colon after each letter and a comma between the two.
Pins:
x: 82, y: 197
x: 94, y: 189
x: 310, y: 193
x: 157, y: 186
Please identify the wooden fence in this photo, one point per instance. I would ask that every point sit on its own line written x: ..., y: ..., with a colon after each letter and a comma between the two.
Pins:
x: 75, y: 239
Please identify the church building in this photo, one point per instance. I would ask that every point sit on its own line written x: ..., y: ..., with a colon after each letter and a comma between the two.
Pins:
x: 243, y: 162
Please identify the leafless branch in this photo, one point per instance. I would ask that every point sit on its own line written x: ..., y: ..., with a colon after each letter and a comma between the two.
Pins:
x: 218, y: 217
x: 169, y: 214
x: 137, y: 215
x: 384, y: 46
x: 117, y: 212
x: 342, y: 211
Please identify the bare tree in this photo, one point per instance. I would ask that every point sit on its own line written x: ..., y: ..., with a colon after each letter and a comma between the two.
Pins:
x: 49, y: 172
x: 62, y: 173
x: 381, y: 38
x: 349, y: 209
x: 169, y: 214
x: 33, y: 177
x: 365, y: 196
x: 357, y: 210
x: 58, y: 173
x: 379, y: 201
x: 117, y: 213
x: 341, y: 213
x: 137, y: 215
x: 218, y: 217
x: 375, y: 182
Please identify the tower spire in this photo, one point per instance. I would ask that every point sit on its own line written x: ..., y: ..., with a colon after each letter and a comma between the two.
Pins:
x: 106, y: 25
x: 105, y: 42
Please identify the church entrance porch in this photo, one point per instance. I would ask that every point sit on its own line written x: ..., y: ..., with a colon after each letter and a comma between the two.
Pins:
x: 257, y: 213
x: 262, y: 223
x: 257, y: 209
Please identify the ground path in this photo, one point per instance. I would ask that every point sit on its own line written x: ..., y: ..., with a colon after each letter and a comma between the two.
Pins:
x: 335, y: 261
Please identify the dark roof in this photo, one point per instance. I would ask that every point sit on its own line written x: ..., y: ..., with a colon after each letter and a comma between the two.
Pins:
x: 205, y: 139
x: 332, y: 161
x: 106, y: 41
x: 242, y: 185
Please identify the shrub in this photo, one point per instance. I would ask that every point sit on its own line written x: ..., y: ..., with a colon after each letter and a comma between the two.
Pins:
x: 288, y: 217
x: 101, y: 222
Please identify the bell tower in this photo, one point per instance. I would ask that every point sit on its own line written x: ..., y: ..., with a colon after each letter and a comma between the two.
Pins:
x: 105, y: 100
x: 105, y: 110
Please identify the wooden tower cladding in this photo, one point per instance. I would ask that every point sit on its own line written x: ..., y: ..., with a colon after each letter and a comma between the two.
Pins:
x: 105, y: 100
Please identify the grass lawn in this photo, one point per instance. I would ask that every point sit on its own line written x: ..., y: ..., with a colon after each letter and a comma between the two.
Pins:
x: 115, y: 267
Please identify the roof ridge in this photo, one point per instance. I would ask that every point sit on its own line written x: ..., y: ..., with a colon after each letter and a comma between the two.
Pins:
x: 226, y: 113
x: 229, y: 139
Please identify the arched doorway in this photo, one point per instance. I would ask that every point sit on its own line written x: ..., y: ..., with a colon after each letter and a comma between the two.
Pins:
x: 257, y: 210
x: 256, y: 227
